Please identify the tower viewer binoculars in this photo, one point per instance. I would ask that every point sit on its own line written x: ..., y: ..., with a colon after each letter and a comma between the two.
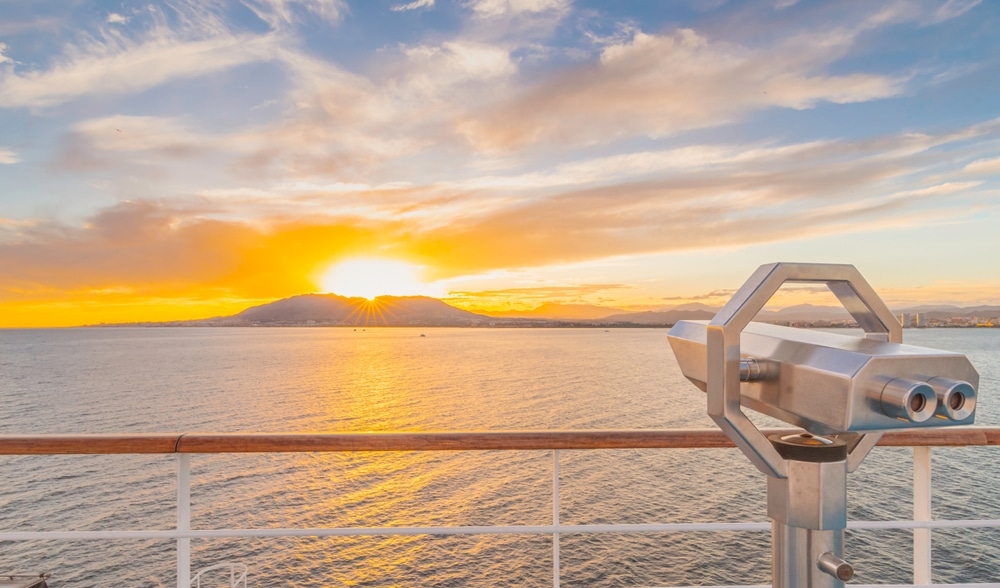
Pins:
x: 842, y: 390
x: 829, y: 383
x: 824, y: 382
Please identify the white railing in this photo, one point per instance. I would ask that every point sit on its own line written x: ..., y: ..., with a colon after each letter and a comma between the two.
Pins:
x: 187, y: 444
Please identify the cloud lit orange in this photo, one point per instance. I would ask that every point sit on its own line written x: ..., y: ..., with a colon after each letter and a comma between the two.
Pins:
x: 184, y: 160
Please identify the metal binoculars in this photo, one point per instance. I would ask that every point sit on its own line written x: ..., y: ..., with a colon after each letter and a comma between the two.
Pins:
x: 824, y: 382
x: 843, y: 390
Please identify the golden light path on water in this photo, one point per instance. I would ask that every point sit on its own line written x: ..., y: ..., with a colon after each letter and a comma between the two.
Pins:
x: 376, y: 379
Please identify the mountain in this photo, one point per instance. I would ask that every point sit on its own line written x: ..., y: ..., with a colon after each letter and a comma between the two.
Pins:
x: 561, y: 312
x: 694, y: 306
x: 700, y: 312
x: 401, y: 311
x: 806, y: 313
x: 659, y: 317
x: 330, y: 309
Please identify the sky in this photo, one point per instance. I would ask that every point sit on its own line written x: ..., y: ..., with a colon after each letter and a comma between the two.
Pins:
x: 186, y: 159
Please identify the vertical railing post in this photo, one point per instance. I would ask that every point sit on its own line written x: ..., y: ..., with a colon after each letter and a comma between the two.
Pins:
x: 922, y: 512
x: 183, y: 520
x: 555, y: 518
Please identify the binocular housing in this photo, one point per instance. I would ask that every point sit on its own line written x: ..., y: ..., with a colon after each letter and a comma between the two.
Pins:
x: 843, y: 390
x: 829, y: 383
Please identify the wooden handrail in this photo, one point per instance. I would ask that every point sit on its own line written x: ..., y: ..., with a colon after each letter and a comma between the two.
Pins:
x: 152, y: 443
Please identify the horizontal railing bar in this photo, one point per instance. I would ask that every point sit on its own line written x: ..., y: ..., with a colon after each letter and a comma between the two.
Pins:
x: 162, y: 443
x: 988, y: 585
x: 471, y: 530
x: 386, y: 531
x: 994, y: 585
x: 938, y: 524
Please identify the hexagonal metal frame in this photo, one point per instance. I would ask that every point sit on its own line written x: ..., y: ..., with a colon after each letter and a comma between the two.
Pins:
x: 723, y: 350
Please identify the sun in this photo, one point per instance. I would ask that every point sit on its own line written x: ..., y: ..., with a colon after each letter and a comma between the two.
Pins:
x: 371, y: 277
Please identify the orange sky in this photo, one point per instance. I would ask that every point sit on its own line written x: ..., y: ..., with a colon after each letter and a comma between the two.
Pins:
x: 180, y: 160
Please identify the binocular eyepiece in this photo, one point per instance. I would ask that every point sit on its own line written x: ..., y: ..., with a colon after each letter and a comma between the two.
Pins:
x: 916, y: 402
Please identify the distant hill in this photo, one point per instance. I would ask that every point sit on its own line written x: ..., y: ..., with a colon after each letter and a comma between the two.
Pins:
x: 552, y: 311
x: 805, y: 312
x: 701, y: 312
x: 401, y: 311
x: 330, y: 309
x: 800, y: 313
x: 944, y: 311
x: 694, y: 306
x: 662, y: 317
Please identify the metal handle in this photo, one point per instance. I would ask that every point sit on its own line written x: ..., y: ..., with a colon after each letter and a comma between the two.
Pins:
x: 836, y: 567
x: 723, y: 348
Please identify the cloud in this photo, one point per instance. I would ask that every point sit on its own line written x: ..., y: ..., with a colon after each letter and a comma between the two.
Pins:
x: 340, y: 122
x: 540, y: 292
x: 723, y: 294
x: 152, y: 249
x: 413, y: 5
x: 257, y: 242
x: 8, y: 156
x: 984, y: 166
x: 142, y: 146
x: 423, y: 104
x: 495, y: 8
x: 952, y: 9
x: 112, y: 63
x: 125, y: 134
x: 115, y: 18
x: 645, y: 202
x: 658, y: 85
x: 279, y: 13
x: 454, y: 62
x: 4, y: 58
x: 982, y: 291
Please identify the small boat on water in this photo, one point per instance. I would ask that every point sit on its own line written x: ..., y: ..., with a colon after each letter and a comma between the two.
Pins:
x: 23, y: 581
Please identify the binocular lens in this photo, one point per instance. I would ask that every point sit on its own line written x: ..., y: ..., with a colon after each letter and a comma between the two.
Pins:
x: 909, y: 400
x: 956, y: 399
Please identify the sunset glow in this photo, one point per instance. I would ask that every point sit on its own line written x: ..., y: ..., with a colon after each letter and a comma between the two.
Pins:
x: 180, y: 160
x: 368, y: 278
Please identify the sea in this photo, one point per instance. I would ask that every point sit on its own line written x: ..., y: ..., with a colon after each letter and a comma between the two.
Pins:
x: 121, y: 380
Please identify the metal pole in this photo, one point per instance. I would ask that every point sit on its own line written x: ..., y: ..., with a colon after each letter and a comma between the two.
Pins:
x: 183, y: 520
x: 808, y: 511
x: 555, y: 518
x: 922, y: 512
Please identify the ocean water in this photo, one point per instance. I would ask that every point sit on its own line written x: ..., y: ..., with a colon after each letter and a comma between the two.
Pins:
x: 340, y: 380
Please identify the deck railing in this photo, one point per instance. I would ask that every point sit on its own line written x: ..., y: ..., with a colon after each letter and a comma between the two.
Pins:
x: 185, y: 444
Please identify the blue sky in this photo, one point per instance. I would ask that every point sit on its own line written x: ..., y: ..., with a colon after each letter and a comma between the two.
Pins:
x: 634, y: 154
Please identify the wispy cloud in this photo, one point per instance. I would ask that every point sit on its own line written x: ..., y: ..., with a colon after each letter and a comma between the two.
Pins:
x: 540, y: 292
x: 8, y: 156
x: 715, y: 295
x: 984, y: 166
x: 795, y: 191
x: 114, y: 63
x: 494, y: 8
x: 417, y: 4
x: 506, y: 142
x: 279, y: 13
x: 952, y: 9
x: 661, y: 84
